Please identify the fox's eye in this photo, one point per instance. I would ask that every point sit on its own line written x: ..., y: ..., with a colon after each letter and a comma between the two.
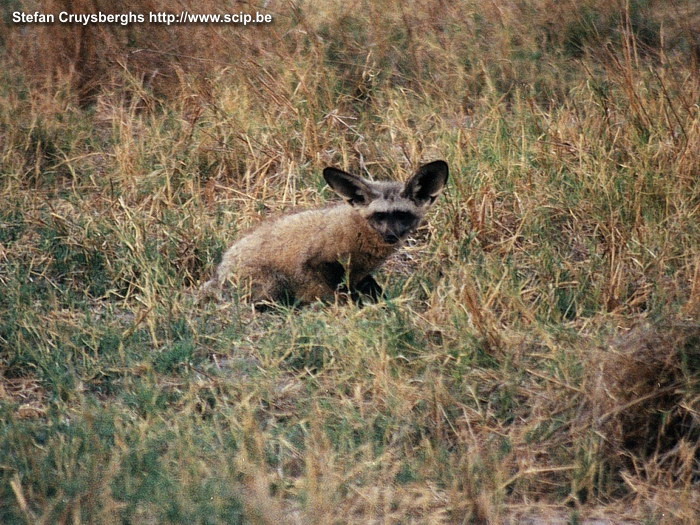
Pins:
x: 403, y: 217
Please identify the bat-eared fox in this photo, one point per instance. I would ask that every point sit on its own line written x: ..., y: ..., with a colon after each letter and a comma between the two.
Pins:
x: 314, y: 254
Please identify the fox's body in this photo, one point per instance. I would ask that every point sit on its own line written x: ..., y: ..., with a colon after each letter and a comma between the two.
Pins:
x: 314, y: 254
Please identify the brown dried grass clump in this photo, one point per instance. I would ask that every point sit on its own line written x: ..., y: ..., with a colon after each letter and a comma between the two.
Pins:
x: 638, y: 399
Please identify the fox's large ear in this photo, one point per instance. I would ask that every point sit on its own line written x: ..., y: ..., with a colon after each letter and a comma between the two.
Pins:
x: 352, y: 188
x: 428, y: 182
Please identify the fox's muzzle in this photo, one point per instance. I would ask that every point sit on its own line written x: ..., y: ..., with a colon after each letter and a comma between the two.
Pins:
x: 391, y: 238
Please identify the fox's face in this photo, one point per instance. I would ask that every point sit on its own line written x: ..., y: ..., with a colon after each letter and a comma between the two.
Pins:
x: 392, y: 209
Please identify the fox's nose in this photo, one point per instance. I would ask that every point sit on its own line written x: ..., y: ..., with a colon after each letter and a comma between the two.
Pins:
x: 391, y: 238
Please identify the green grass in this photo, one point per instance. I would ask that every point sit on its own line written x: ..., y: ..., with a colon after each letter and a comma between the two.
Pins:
x: 537, y: 355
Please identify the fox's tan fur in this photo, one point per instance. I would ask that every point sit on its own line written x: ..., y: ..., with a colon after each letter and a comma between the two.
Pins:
x: 309, y: 255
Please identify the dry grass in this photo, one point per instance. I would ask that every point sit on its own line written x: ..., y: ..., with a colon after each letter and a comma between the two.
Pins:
x: 538, y: 357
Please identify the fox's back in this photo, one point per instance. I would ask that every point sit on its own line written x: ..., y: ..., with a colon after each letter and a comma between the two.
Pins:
x: 295, y: 243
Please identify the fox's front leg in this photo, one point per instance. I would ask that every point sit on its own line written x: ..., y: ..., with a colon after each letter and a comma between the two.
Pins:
x: 333, y: 274
x: 369, y: 287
